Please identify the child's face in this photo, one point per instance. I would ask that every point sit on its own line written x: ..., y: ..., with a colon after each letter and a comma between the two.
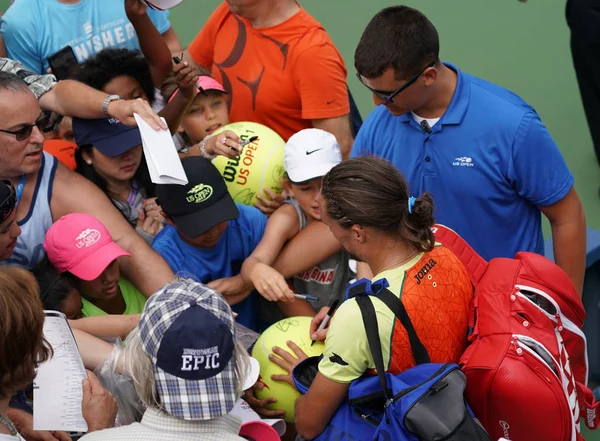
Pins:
x: 128, y: 87
x: 209, y: 239
x: 106, y: 286
x: 115, y: 168
x: 206, y: 115
x: 307, y: 195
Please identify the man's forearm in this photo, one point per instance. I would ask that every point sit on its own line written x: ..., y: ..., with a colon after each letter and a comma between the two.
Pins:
x: 73, y: 98
x: 145, y: 268
x: 569, y: 243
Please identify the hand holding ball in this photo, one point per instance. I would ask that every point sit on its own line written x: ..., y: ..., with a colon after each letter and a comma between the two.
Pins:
x: 296, y: 329
x: 259, y: 166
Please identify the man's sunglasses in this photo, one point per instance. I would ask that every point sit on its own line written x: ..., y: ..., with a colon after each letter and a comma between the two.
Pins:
x: 9, y: 203
x: 388, y: 97
x: 25, y: 132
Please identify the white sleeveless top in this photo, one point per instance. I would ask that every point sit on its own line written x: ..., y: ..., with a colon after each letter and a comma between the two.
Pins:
x: 29, y: 250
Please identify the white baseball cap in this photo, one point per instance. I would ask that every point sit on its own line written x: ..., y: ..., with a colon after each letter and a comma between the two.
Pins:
x: 310, y: 154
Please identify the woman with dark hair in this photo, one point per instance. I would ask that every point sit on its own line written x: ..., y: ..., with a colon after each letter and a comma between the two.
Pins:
x: 367, y: 206
x: 110, y: 155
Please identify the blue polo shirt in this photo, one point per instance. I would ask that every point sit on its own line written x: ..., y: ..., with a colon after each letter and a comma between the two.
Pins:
x: 223, y: 260
x: 489, y: 164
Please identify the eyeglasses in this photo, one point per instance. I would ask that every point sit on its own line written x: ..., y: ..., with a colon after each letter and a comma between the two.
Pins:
x: 9, y: 203
x: 388, y: 97
x: 25, y: 132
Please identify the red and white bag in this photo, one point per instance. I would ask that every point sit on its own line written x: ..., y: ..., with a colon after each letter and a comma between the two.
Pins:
x: 526, y: 365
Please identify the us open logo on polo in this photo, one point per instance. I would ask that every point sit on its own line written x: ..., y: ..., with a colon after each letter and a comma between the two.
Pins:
x: 196, y: 359
x: 87, y: 238
x: 463, y: 161
x: 199, y: 193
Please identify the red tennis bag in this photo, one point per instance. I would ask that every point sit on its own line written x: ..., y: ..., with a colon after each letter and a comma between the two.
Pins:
x: 526, y: 365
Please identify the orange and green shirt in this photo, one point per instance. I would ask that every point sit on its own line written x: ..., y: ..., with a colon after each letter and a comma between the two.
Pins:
x: 436, y: 292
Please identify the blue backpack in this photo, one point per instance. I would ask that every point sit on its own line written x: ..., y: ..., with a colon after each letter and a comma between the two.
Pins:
x: 424, y: 403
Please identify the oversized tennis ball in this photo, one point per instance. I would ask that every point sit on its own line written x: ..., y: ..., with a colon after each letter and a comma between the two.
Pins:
x: 296, y: 329
x: 259, y: 166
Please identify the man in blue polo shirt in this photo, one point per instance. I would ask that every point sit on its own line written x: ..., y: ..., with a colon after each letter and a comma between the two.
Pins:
x: 482, y: 152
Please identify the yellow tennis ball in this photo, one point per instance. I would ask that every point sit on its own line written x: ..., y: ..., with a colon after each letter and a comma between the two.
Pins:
x: 296, y: 329
x: 259, y: 166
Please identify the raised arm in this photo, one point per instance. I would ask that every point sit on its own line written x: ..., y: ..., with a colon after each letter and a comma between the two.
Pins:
x: 73, y: 193
x: 152, y: 44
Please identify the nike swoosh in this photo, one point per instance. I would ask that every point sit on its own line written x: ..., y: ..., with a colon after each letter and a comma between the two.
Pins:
x: 310, y: 153
x: 330, y: 102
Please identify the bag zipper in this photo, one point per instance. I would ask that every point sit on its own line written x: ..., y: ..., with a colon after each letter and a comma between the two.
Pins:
x: 530, y: 351
x: 566, y: 322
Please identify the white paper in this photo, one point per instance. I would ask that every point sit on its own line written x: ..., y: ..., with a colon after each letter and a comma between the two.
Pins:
x: 243, y: 411
x: 57, y: 390
x: 161, y: 155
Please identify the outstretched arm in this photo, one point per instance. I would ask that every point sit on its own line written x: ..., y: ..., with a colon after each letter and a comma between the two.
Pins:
x: 73, y: 193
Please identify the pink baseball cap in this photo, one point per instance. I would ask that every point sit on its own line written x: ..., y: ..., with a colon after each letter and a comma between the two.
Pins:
x: 204, y: 83
x: 259, y: 431
x: 81, y: 244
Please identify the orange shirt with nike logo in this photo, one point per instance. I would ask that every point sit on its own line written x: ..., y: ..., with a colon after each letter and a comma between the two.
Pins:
x: 282, y: 76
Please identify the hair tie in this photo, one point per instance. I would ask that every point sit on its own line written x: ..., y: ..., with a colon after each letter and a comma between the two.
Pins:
x: 411, y: 203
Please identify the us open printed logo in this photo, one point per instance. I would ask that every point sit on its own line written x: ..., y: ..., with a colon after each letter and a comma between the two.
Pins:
x: 199, y: 193
x: 87, y: 238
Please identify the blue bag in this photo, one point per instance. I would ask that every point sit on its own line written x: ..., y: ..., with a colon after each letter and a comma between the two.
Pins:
x: 424, y: 403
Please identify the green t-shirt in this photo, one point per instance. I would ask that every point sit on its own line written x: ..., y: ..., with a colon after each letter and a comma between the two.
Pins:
x: 134, y: 301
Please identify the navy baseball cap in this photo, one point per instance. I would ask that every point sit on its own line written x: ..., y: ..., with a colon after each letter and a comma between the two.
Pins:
x: 188, y: 331
x: 200, y: 205
x: 109, y: 135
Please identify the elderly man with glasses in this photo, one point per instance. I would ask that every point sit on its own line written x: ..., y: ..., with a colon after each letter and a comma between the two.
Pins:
x: 481, y: 150
x: 46, y: 190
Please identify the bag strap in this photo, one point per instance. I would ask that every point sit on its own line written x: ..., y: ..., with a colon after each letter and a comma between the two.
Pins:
x: 369, y: 317
x: 395, y: 304
x: 473, y: 262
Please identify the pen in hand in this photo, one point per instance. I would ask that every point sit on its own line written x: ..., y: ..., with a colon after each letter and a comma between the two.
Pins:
x: 306, y: 297
x: 325, y: 321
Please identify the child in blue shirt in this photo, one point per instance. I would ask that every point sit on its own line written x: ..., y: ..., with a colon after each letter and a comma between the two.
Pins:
x: 208, y: 236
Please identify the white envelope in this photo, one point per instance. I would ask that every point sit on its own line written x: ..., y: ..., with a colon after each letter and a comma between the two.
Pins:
x: 161, y: 155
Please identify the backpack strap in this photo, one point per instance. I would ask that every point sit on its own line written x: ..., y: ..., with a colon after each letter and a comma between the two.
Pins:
x: 397, y: 307
x: 369, y: 317
x: 473, y: 262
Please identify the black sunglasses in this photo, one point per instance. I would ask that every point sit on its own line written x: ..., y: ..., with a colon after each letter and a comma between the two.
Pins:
x: 9, y: 203
x: 388, y: 97
x: 25, y: 132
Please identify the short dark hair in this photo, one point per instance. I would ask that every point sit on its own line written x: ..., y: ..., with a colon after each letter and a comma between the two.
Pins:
x: 108, y: 64
x: 398, y: 37
x: 369, y: 191
x: 14, y: 83
x: 22, y: 343
x: 55, y: 287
